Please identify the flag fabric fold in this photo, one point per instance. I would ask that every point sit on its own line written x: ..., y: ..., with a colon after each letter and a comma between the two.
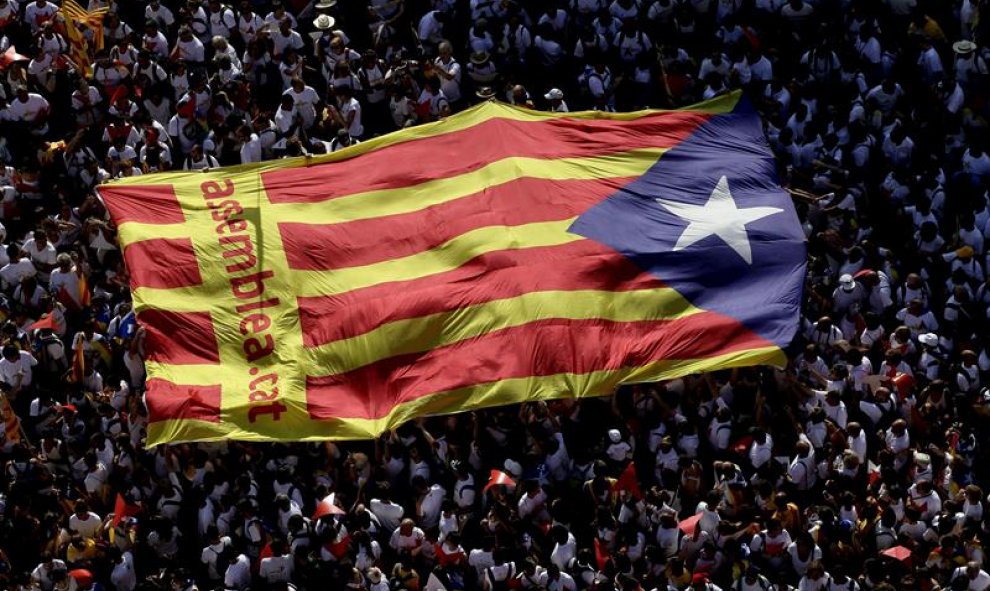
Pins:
x: 499, y: 256
x: 498, y: 478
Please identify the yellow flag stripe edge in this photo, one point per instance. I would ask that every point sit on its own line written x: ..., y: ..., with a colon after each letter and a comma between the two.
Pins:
x: 510, y: 391
x: 446, y: 257
x: 460, y: 121
x: 424, y: 333
x: 372, y: 204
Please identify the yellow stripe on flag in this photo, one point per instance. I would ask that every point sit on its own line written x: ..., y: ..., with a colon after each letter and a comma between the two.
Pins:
x: 414, y: 335
x: 11, y: 424
x: 446, y: 257
x: 372, y: 204
x: 508, y: 391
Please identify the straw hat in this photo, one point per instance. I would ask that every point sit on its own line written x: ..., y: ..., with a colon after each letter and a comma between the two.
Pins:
x: 964, y: 47
x: 324, y: 22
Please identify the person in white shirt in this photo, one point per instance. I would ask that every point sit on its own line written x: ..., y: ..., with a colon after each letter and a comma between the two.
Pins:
x: 213, y: 551
x: 389, y: 514
x: 189, y: 48
x: 977, y: 579
x: 285, y: 37
x: 123, y: 575
x: 16, y: 367
x: 349, y: 110
x: 251, y: 150
x: 37, y: 13
x: 555, y: 97
x: 464, y: 489
x: 238, y: 574
x: 29, y: 108
x: 160, y: 14
x: 278, y: 567
x: 431, y: 497
x: 449, y: 71
x: 17, y: 269
x: 407, y: 539
x: 199, y: 160
x: 47, y: 571
x: 84, y: 522
x: 430, y: 29
x: 856, y: 440
x: 305, y: 100
x: 565, y: 547
x: 761, y: 450
x: 532, y: 505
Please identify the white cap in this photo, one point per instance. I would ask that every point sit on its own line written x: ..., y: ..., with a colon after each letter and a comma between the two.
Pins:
x: 513, y: 467
x: 929, y: 338
x: 554, y: 94
x: 614, y: 435
x: 847, y: 282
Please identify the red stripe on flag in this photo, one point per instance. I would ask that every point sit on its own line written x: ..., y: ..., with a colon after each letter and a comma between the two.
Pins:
x: 145, y: 204
x: 180, y: 337
x: 320, y: 247
x: 443, y: 156
x: 162, y: 263
x: 167, y: 400
x: 496, y: 275
x: 541, y: 348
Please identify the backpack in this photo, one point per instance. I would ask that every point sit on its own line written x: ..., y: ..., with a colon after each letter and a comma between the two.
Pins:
x: 503, y: 585
x: 760, y: 580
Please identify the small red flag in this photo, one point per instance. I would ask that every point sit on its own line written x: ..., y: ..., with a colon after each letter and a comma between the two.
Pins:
x: 629, y: 482
x: 498, y: 478
x: 122, y: 509
x: 46, y: 321
x: 78, y: 365
x: 687, y: 526
x: 327, y: 507
x: 67, y: 300
x: 601, y: 554
x: 85, y: 297
x: 741, y: 446
x: 899, y: 553
x: 10, y: 56
x: 120, y: 93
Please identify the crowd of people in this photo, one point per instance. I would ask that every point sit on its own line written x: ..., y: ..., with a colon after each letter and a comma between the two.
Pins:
x: 857, y: 467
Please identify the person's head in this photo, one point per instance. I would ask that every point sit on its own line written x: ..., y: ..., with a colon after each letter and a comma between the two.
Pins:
x: 972, y: 569
x: 81, y: 510
x: 11, y: 352
x: 445, y: 50
x: 64, y: 262
x: 816, y: 570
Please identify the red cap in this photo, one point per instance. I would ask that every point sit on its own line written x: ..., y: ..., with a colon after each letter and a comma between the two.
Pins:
x: 699, y: 578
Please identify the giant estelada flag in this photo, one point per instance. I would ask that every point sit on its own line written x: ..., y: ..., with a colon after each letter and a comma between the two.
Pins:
x: 499, y: 256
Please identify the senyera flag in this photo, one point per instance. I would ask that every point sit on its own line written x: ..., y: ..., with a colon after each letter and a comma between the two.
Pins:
x: 499, y: 256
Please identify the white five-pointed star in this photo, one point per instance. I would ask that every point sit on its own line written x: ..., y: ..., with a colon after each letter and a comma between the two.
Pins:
x: 719, y: 217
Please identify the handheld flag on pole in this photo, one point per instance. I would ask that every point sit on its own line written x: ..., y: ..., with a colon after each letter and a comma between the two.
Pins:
x: 628, y: 481
x: 339, y: 296
x: 122, y: 509
x: 11, y: 424
x: 498, y: 478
